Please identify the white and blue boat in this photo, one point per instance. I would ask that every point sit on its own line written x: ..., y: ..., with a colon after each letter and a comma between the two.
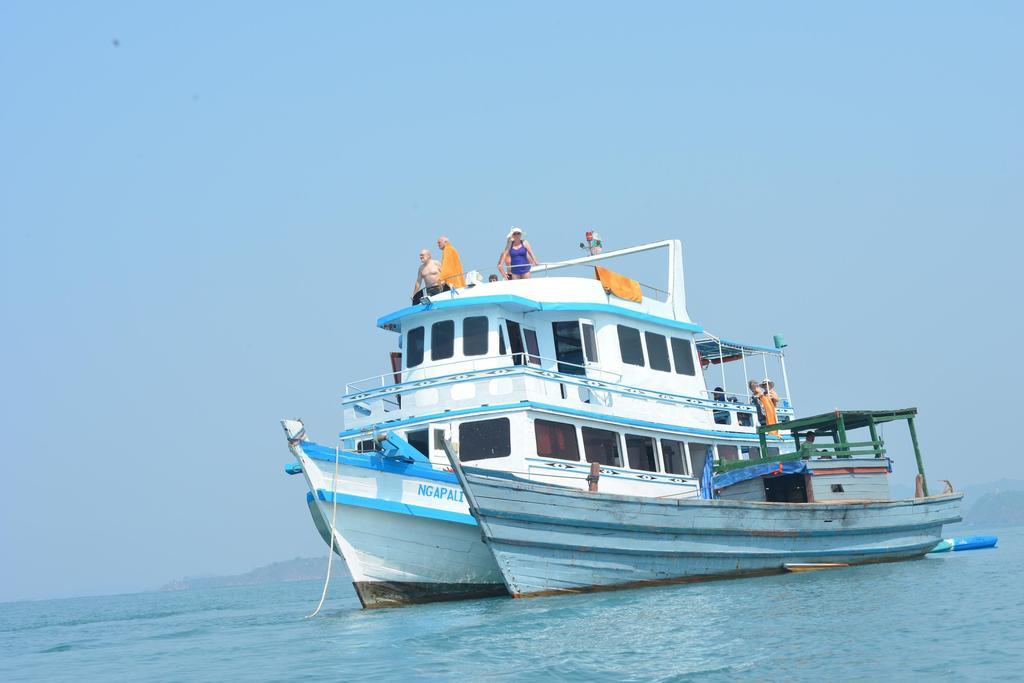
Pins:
x: 541, y: 379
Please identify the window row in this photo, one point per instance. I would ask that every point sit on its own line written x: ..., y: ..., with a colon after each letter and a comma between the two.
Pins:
x: 484, y: 439
x: 558, y: 440
x: 522, y: 342
x: 658, y: 345
x: 575, y: 345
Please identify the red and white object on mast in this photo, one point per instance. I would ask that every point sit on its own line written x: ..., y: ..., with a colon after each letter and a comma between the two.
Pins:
x: 592, y: 245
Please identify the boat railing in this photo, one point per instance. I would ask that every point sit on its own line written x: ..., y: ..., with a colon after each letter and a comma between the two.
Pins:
x: 649, y: 291
x: 742, y: 399
x: 842, y: 449
x: 849, y: 449
x: 481, y: 276
x: 367, y: 398
x: 475, y: 364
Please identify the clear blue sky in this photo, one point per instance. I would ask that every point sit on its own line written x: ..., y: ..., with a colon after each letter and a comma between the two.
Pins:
x: 200, y: 225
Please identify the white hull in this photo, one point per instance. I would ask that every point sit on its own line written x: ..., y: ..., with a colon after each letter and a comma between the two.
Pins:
x: 409, y: 560
x: 405, y: 539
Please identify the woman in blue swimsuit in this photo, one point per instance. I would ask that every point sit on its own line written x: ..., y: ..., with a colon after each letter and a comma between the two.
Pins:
x: 518, y: 255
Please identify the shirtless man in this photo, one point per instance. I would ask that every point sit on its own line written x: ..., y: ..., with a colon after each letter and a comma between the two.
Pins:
x: 429, y: 274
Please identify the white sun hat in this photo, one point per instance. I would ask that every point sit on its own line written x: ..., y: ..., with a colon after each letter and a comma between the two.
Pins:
x: 514, y: 230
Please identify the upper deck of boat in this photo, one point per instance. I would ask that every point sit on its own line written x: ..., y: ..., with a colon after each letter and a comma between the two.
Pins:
x: 552, y: 293
x: 555, y: 342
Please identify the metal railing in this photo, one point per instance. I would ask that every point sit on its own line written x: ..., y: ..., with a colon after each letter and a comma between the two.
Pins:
x: 842, y: 449
x: 544, y: 268
x: 389, y: 395
x: 475, y: 364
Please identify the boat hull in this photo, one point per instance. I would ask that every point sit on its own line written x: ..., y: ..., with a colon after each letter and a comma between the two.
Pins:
x: 397, y: 559
x: 402, y: 526
x: 547, y: 539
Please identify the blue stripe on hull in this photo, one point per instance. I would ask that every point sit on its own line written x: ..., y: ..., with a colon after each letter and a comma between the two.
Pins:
x: 392, y: 506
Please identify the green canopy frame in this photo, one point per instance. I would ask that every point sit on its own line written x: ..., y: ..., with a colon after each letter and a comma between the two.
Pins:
x: 837, y: 423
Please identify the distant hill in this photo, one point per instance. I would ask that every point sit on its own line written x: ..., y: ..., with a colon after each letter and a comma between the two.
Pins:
x: 999, y: 508
x: 299, y: 569
x: 974, y: 492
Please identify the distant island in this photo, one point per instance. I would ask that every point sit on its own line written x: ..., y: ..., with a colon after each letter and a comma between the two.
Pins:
x: 299, y: 569
x: 999, y: 508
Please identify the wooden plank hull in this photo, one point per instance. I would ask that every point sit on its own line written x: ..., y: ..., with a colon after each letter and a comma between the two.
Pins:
x: 547, y: 539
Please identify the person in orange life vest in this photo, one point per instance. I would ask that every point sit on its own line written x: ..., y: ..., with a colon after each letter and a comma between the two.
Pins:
x: 451, y: 264
x: 771, y: 403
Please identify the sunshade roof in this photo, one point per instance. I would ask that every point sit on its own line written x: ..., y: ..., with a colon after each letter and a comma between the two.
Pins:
x: 716, y: 349
x: 852, y: 419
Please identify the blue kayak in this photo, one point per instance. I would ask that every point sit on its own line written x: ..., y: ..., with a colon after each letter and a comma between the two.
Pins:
x: 964, y: 543
x: 973, y: 542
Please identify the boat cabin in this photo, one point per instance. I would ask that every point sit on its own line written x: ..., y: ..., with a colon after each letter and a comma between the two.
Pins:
x: 824, y: 465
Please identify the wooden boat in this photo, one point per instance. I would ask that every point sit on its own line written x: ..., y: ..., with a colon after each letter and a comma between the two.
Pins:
x: 550, y: 539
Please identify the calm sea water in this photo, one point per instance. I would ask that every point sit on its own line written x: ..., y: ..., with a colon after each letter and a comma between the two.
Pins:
x: 958, y: 615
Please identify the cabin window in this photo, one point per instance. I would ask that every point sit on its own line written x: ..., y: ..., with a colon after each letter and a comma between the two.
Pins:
x: 515, y: 342
x: 640, y: 453
x: 629, y: 345
x: 568, y: 347
x: 419, y: 440
x: 485, y: 439
x: 442, y: 340
x: 501, y: 341
x: 657, y: 351
x: 532, y: 349
x: 601, y: 446
x: 414, y: 347
x: 682, y: 355
x: 589, y: 342
x: 728, y: 452
x: 474, y: 336
x: 674, y: 455
x: 439, y: 440
x: 556, y: 440
x: 751, y: 452
x: 698, y: 453
x: 367, y: 446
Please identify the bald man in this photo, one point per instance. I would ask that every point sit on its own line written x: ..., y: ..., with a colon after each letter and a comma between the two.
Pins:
x: 429, y: 274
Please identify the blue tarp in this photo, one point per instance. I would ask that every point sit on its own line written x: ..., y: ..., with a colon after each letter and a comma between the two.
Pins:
x: 754, y: 471
x: 707, y: 489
